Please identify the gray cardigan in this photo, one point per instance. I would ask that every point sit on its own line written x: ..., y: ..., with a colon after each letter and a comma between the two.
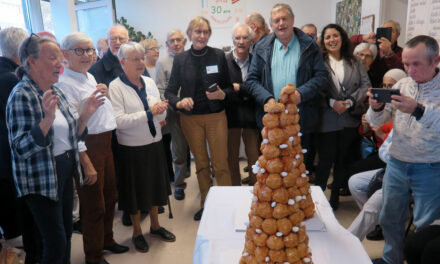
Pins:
x: 356, y: 83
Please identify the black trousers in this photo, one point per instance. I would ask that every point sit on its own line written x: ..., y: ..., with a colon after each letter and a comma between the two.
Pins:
x: 423, y: 247
x: 166, y: 140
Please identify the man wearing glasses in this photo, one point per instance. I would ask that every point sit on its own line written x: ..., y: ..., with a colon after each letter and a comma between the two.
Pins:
x: 240, y: 106
x: 179, y: 147
x: 108, y: 67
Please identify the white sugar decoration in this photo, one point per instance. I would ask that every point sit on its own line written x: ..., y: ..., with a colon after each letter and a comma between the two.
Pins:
x: 303, y: 224
x: 310, y: 250
x: 304, y: 150
x: 279, y: 234
x: 255, y: 168
x: 265, y: 141
x: 262, y: 170
x: 273, y: 204
x: 287, y: 111
x: 286, y: 262
x: 298, y: 110
x: 291, y: 139
x: 298, y: 198
x: 304, y: 197
x: 245, y: 254
x: 267, y: 259
x: 246, y: 223
x: 258, y: 231
x: 294, y: 163
x: 297, y: 156
x: 307, y: 172
x: 295, y: 229
x: 299, y: 134
x: 306, y: 260
x: 303, y: 175
x: 291, y: 202
x: 283, y: 146
x: 284, y: 174
x: 255, y: 198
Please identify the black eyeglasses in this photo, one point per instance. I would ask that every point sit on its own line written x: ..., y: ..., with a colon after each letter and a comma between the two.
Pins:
x: 80, y: 51
x: 29, y: 40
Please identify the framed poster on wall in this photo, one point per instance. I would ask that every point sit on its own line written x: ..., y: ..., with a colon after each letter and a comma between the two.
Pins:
x: 348, y: 15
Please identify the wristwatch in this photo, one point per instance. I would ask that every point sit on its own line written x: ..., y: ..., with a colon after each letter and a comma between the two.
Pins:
x: 418, y: 112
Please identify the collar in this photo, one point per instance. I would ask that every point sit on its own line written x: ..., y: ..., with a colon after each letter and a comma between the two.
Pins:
x: 75, y: 75
x: 434, y: 81
x: 237, y: 60
x: 289, y: 45
x: 126, y: 81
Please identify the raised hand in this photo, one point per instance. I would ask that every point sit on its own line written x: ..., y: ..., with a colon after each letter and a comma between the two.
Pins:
x: 50, y: 101
x: 92, y: 103
x: 102, y: 88
x: 385, y: 46
x: 373, y: 102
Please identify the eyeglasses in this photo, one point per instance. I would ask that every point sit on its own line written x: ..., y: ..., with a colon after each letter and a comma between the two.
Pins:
x: 29, y: 40
x: 363, y: 55
x: 155, y: 48
x: 200, y: 32
x: 177, y: 40
x: 238, y: 38
x: 121, y: 39
x: 80, y: 51
x: 387, y: 85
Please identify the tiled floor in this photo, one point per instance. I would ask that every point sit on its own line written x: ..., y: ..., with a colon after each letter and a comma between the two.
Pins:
x: 185, y: 229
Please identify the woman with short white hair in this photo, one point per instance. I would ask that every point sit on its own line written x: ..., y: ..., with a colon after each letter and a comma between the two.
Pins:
x: 143, y: 184
x: 367, y: 52
x: 97, y: 200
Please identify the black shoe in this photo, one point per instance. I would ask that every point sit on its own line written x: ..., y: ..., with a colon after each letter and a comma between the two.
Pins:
x: 376, y: 234
x: 160, y: 210
x: 117, y: 248
x: 126, y: 220
x: 198, y: 215
x: 179, y: 194
x: 246, y: 180
x: 101, y: 262
x: 76, y: 227
x: 164, y: 234
x: 379, y: 261
x: 344, y: 191
x: 140, y: 244
x: 246, y: 169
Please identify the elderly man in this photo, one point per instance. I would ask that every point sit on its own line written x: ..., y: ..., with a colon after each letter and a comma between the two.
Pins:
x: 310, y: 29
x: 102, y: 47
x: 288, y: 56
x: 413, y: 170
x: 108, y: 67
x: 389, y: 53
x: 179, y: 147
x: 257, y: 23
x: 240, y: 106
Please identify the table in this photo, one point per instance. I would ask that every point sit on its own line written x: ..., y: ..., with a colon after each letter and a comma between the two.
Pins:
x: 218, y: 243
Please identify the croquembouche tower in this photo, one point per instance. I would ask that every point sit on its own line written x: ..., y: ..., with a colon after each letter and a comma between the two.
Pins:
x: 281, y: 199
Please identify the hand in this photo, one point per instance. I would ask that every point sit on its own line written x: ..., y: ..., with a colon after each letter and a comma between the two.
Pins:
x: 378, y: 132
x: 102, y: 88
x: 186, y: 103
x: 236, y: 87
x: 373, y: 102
x: 90, y: 175
x: 365, y: 123
x: 385, y: 46
x: 340, y: 107
x: 50, y: 102
x: 217, y: 95
x: 370, y: 38
x: 404, y: 103
x: 163, y: 123
x: 159, y: 108
x: 92, y: 103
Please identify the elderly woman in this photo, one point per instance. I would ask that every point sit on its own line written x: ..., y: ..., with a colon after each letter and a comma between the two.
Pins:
x: 151, y: 56
x: 201, y: 76
x: 143, y: 185
x: 341, y: 100
x: 44, y: 136
x: 367, y: 53
x: 97, y: 200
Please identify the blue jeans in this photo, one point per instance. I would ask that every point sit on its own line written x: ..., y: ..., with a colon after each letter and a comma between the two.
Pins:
x: 54, y: 218
x: 401, y: 181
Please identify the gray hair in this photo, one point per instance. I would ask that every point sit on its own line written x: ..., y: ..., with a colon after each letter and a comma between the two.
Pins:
x: 147, y: 43
x: 280, y: 6
x: 30, y: 47
x: 310, y: 25
x: 116, y: 26
x: 129, y: 47
x: 251, y: 32
x: 363, y: 46
x: 173, y: 32
x: 258, y: 18
x: 10, y: 40
x: 431, y: 46
x: 73, y: 39
x: 397, y: 24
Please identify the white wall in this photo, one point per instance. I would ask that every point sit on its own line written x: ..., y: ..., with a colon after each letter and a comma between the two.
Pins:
x: 159, y: 17
x: 396, y: 10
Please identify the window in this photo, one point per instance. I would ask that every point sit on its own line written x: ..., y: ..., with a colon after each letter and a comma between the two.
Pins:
x: 11, y: 14
x: 47, y: 16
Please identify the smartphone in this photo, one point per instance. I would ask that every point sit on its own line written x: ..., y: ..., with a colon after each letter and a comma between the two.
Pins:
x: 384, y: 95
x: 383, y: 32
x: 212, y: 88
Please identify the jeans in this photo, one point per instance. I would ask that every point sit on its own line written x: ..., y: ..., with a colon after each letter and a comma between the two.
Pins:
x: 54, y: 218
x: 401, y: 180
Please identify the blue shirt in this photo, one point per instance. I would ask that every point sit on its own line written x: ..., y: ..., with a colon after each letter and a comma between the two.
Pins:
x: 284, y: 64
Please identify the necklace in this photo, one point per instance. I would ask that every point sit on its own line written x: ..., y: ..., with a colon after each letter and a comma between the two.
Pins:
x: 199, y: 55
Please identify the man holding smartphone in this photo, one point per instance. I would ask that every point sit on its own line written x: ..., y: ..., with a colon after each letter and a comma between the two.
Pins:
x: 413, y: 170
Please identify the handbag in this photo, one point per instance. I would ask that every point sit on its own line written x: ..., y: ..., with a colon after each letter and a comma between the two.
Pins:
x: 368, y: 146
x: 376, y: 182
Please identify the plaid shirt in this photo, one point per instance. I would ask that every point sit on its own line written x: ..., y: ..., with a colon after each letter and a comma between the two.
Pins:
x: 33, y: 162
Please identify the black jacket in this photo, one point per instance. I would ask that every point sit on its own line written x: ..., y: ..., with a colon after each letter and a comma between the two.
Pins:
x: 106, y: 69
x: 8, y: 80
x: 240, y: 106
x: 184, y: 75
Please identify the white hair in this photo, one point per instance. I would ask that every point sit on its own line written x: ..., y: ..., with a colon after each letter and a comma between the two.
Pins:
x: 73, y: 39
x: 174, y: 31
x: 363, y: 46
x: 129, y: 47
x: 396, y: 24
x: 279, y: 6
x: 10, y: 40
x: 117, y: 26
x: 251, y: 32
x: 396, y: 74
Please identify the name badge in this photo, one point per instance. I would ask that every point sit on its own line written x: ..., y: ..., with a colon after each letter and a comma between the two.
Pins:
x: 211, y: 69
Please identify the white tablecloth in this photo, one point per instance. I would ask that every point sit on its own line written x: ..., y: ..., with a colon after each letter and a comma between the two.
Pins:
x: 218, y: 243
